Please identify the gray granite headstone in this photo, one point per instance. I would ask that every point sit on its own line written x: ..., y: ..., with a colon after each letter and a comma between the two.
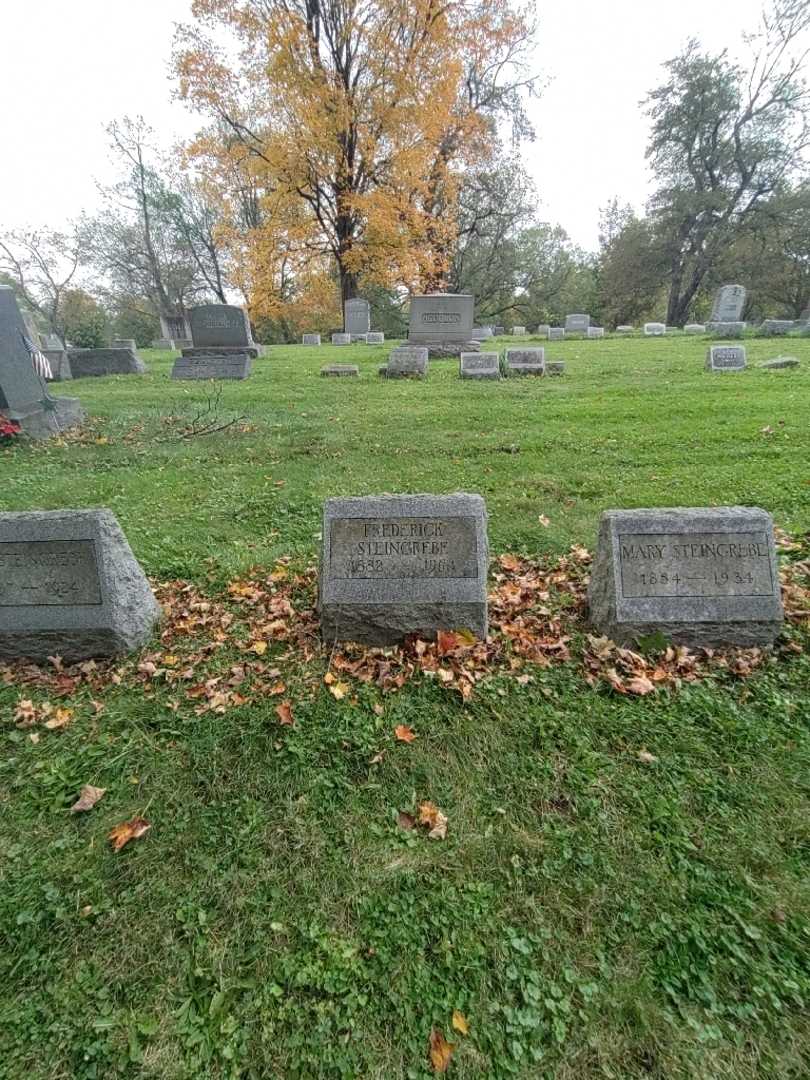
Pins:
x: 481, y: 333
x: 232, y: 366
x: 701, y: 577
x: 498, y: 330
x: 395, y: 565
x: 729, y: 301
x: 59, y: 364
x: 24, y: 396
x: 375, y: 337
x: 778, y: 363
x: 70, y: 587
x: 694, y: 328
x: 406, y: 361
x: 341, y: 370
x: 542, y: 330
x: 480, y: 365
x: 726, y: 329
x: 725, y: 358
x: 341, y: 339
x: 577, y: 324
x: 124, y: 343
x: 595, y: 332
x: 625, y: 328
x: 776, y: 327
x: 654, y: 329
x: 213, y: 325
x: 556, y: 333
x: 86, y: 363
x: 518, y: 331
x: 356, y: 317
x: 441, y: 322
x: 525, y: 361
x: 311, y: 339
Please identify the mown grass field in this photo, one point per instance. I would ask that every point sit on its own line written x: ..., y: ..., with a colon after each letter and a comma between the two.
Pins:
x: 590, y: 913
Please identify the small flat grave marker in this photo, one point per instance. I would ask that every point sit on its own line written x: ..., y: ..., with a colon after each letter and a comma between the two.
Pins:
x: 341, y: 339
x: 654, y: 329
x: 577, y: 324
x: 311, y: 339
x: 395, y: 565
x: 526, y: 361
x: 345, y: 370
x: 406, y: 362
x: 776, y: 327
x: 595, y: 332
x: 556, y: 333
x: 726, y: 329
x: 480, y: 365
x: 725, y: 358
x: 375, y: 337
x: 232, y: 366
x: 694, y: 328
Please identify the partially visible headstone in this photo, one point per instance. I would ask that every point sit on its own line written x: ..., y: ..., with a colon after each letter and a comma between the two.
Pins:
x: 776, y: 327
x: 357, y: 318
x: 694, y: 328
x: 526, y: 361
x: 729, y: 301
x: 518, y: 331
x: 24, y: 395
x: 542, y: 330
x: 59, y: 364
x: 375, y: 337
x: 70, y: 587
x: 625, y: 329
x: 725, y: 358
x: 52, y: 341
x: 406, y: 362
x: 555, y: 367
x: 481, y: 333
x: 395, y: 565
x: 577, y: 324
x: 595, y: 332
x: 498, y: 331
x: 124, y: 343
x: 222, y: 328
x: 701, y: 577
x: 311, y: 339
x: 232, y: 366
x: 341, y: 339
x: 441, y: 322
x: 779, y: 362
x: 85, y: 363
x: 346, y: 370
x: 480, y: 365
x: 175, y: 332
x: 654, y: 329
x: 556, y: 333
x: 726, y: 329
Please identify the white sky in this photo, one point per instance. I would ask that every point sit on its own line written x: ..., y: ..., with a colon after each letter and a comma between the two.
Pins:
x: 67, y: 68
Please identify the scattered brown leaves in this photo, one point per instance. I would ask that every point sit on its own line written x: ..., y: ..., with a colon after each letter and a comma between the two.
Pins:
x: 433, y: 819
x: 88, y: 797
x: 284, y: 713
x: 460, y: 1022
x: 440, y: 1051
x: 133, y: 829
x: 404, y: 733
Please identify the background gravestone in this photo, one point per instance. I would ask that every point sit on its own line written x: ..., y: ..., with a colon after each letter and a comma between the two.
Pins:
x: 556, y: 333
x: 406, y: 361
x: 654, y: 329
x: 525, y: 361
x: 480, y: 365
x: 701, y: 577
x: 441, y: 322
x: 729, y: 301
x: 311, y: 339
x: 395, y: 565
x: 87, y: 363
x: 357, y: 318
x: 341, y: 339
x: 70, y: 587
x: 577, y: 324
x: 725, y: 358
x: 217, y: 329
x: 776, y: 327
x: 24, y: 395
x: 341, y: 370
x: 625, y: 329
x: 694, y: 328
x: 595, y: 332
x: 232, y: 366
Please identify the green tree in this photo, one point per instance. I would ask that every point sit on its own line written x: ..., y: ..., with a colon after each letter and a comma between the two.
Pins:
x: 632, y: 267
x: 84, y: 320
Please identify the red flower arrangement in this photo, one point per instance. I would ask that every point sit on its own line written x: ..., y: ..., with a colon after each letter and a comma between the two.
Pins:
x: 9, y: 431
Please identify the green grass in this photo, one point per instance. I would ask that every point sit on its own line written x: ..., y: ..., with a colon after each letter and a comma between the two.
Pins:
x: 591, y: 915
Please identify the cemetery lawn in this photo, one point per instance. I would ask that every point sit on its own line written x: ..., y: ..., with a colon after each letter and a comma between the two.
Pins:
x: 624, y: 887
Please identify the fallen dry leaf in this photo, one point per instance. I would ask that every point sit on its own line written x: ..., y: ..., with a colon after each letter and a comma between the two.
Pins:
x: 640, y: 684
x: 339, y: 690
x: 440, y: 1051
x: 126, y: 831
x: 259, y: 647
x: 284, y: 713
x: 60, y: 719
x: 432, y: 817
x: 88, y: 797
x: 406, y: 820
x: 404, y: 733
x: 460, y: 1022
x: 544, y: 521
x: 646, y: 757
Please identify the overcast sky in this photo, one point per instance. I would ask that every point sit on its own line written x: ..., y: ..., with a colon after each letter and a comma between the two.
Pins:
x: 69, y: 66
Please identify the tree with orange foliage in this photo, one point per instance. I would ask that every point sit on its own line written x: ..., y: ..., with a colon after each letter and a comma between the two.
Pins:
x: 351, y: 120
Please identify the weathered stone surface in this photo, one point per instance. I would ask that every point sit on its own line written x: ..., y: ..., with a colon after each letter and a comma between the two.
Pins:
x: 481, y: 333
x: 480, y: 365
x: 89, y: 363
x: 375, y: 337
x: 24, y: 395
x: 346, y: 370
x: 498, y: 330
x: 595, y: 332
x: 356, y: 317
x: 194, y: 353
x: 555, y: 367
x: 702, y: 577
x: 213, y: 325
x: 232, y: 366
x: 729, y: 301
x: 395, y: 565
x: 518, y: 331
x: 694, y: 328
x: 124, y: 343
x: 525, y: 361
x: 70, y: 587
x: 441, y: 322
x: 311, y: 339
x: 625, y: 329
x: 406, y: 362
x: 654, y: 329
x: 556, y: 333
x: 341, y: 339
x: 726, y: 329
x: 175, y: 332
x: 725, y: 358
x: 776, y: 327
x: 577, y: 324
x: 542, y: 330
x: 779, y: 362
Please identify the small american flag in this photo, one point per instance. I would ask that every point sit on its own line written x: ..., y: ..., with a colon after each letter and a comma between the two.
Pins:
x: 38, y: 359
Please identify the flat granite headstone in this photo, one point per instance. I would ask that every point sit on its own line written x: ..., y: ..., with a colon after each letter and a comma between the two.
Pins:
x: 480, y: 365
x: 776, y: 327
x: 694, y: 328
x: 654, y: 329
x: 577, y: 324
x: 232, y: 366
x: 525, y: 361
x: 406, y: 362
x: 213, y: 325
x: 725, y: 358
x: 542, y: 330
x: 518, y: 331
x: 395, y: 565
x: 702, y: 577
x: 347, y: 370
x: 556, y: 333
x: 779, y: 362
x: 625, y: 329
x: 124, y: 343
x: 71, y: 587
x: 726, y: 329
x: 595, y: 332
x: 88, y: 363
x: 357, y: 318
x: 311, y: 339
x: 24, y: 395
x: 341, y: 339
x: 481, y: 333
x: 729, y: 301
x: 375, y: 337
x: 498, y: 330
x: 441, y: 322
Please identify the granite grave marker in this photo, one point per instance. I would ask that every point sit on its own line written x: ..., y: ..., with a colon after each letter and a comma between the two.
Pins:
x: 480, y: 365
